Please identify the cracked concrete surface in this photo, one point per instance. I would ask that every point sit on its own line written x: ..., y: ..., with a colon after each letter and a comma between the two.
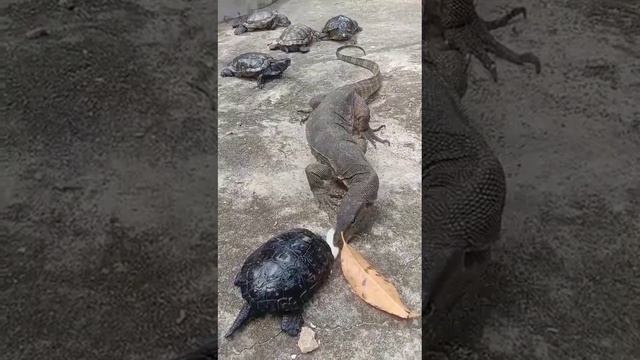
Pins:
x: 263, y: 189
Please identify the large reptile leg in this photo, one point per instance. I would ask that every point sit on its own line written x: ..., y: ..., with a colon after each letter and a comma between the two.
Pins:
x: 362, y: 143
x: 320, y: 178
x: 362, y: 116
x: 474, y: 38
x: 313, y: 103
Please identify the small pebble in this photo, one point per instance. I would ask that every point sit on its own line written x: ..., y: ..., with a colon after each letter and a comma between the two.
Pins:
x: 307, y: 342
x: 311, y: 325
x: 37, y: 32
x: 294, y: 356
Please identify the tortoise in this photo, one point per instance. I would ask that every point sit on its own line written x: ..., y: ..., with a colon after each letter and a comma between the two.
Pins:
x: 296, y: 37
x: 260, y: 20
x: 340, y: 28
x: 256, y: 65
x: 281, y: 275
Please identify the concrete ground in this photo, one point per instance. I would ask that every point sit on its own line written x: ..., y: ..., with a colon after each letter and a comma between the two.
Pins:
x: 263, y: 187
x: 107, y: 179
x: 566, y: 280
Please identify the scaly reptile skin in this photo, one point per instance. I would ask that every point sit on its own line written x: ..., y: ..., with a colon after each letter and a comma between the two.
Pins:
x: 465, y: 31
x: 464, y: 185
x: 337, y: 131
x: 463, y: 190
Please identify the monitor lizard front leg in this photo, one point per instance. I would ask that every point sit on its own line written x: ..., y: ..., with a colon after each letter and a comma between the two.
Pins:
x: 466, y: 31
x: 322, y: 182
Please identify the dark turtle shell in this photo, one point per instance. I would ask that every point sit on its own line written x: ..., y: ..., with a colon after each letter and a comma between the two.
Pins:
x: 261, y: 20
x: 250, y: 64
x: 340, y: 28
x: 283, y: 273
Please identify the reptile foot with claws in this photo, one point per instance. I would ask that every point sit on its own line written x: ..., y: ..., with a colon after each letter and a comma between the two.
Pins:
x: 474, y: 37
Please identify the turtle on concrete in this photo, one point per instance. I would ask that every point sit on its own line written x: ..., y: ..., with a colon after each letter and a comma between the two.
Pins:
x: 256, y: 65
x: 296, y: 37
x: 340, y: 28
x: 261, y: 20
x: 281, y: 275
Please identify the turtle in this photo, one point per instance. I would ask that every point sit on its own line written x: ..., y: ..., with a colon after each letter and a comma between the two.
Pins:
x: 260, y: 20
x: 296, y: 37
x: 256, y: 65
x: 281, y: 275
x: 340, y: 28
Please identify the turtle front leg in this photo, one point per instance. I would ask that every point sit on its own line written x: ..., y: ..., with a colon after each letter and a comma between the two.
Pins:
x: 474, y: 38
x: 261, y: 81
x: 292, y: 323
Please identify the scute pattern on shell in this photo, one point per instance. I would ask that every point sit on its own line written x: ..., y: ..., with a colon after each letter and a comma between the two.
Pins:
x: 260, y: 19
x: 250, y: 63
x: 341, y: 22
x: 296, y: 34
x: 283, y: 273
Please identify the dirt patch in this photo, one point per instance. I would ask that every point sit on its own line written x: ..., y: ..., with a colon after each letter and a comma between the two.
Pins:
x: 108, y: 179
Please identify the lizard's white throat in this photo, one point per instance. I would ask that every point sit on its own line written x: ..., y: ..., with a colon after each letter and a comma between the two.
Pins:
x: 329, y: 239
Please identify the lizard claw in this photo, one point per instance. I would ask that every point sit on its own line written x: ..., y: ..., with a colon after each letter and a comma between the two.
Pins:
x: 369, y: 135
x: 475, y: 39
x: 305, y: 116
x: 378, y: 128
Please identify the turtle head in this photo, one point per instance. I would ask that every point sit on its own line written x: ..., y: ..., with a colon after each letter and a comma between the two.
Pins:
x: 277, y: 67
x: 226, y: 72
x: 282, y: 20
x: 329, y: 239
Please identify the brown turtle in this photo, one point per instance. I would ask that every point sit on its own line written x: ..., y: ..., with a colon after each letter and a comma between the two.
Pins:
x: 261, y: 20
x: 296, y: 37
